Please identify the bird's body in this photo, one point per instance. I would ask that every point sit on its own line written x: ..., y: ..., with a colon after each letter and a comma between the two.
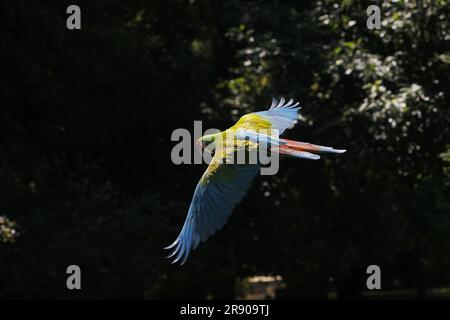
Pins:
x: 226, y: 181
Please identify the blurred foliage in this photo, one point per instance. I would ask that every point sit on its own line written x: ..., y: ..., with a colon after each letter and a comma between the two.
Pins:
x: 85, y: 124
x: 8, y: 230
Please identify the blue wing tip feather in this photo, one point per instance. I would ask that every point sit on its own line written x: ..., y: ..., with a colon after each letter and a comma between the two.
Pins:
x: 180, y: 251
x: 281, y: 104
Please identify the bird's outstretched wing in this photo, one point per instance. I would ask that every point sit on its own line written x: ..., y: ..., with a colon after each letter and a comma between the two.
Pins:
x: 224, y: 183
x: 281, y: 115
x: 221, y: 187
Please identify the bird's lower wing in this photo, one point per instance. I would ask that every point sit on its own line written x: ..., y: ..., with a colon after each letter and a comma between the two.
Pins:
x: 221, y: 187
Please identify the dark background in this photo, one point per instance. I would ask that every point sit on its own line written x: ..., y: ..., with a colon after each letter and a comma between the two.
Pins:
x: 86, y: 118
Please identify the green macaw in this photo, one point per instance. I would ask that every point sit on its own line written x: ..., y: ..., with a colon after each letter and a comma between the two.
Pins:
x: 225, y: 182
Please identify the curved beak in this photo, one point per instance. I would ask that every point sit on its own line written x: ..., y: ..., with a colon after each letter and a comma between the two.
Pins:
x: 199, y: 144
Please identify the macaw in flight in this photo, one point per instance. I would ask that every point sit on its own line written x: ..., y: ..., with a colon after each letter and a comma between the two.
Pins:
x: 224, y: 182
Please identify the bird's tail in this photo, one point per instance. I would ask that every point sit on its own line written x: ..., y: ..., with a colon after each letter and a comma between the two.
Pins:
x: 305, y: 146
x: 299, y: 149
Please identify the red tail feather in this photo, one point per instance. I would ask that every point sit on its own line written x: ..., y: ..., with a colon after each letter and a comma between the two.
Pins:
x: 304, y: 146
x: 301, y: 146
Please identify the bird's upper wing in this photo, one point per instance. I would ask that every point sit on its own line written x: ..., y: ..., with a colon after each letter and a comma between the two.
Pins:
x: 221, y: 187
x: 280, y: 116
